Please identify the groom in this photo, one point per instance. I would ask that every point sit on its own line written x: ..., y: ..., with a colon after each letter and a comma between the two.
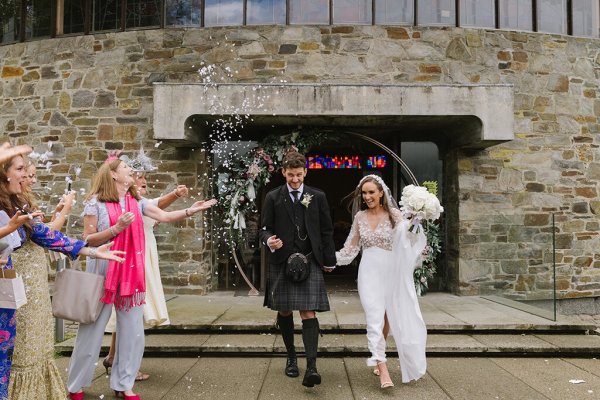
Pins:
x: 297, y: 228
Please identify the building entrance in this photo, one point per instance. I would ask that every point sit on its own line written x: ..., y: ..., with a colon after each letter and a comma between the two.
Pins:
x: 336, y: 167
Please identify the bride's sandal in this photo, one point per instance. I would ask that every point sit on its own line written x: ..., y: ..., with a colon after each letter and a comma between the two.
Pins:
x: 384, y: 376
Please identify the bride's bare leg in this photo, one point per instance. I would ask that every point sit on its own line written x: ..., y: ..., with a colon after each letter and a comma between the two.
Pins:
x: 386, y: 331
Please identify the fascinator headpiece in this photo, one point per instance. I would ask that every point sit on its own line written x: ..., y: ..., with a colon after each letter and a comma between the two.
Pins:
x: 141, y: 163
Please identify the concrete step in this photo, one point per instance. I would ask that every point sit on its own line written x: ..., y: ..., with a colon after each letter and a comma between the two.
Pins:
x: 336, y: 344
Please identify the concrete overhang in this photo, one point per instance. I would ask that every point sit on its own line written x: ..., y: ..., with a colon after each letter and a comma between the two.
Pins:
x: 471, y: 116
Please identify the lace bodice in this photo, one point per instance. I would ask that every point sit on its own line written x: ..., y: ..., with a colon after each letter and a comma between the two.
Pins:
x: 362, y: 236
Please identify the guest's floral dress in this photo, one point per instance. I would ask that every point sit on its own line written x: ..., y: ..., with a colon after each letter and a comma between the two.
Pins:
x: 45, y: 237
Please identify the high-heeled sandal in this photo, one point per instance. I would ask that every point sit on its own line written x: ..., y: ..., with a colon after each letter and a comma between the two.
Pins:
x: 76, y: 396
x: 385, y: 384
x: 142, y: 376
x: 107, y: 363
x: 126, y: 397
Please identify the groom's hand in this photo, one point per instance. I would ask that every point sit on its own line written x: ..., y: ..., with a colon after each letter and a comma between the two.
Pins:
x: 328, y: 269
x: 274, y: 243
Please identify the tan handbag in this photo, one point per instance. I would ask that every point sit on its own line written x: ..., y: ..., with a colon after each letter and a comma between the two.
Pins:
x: 12, y: 289
x: 77, y: 295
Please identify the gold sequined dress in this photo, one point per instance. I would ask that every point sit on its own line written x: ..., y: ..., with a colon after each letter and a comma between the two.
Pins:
x: 34, y: 374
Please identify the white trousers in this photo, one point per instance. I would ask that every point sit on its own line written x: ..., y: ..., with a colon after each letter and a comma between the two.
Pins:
x: 128, y: 355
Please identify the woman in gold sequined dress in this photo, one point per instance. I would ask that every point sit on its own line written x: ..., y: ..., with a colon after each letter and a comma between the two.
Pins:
x: 34, y: 374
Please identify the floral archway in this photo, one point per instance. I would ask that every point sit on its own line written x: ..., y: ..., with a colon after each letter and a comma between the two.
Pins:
x: 241, y: 176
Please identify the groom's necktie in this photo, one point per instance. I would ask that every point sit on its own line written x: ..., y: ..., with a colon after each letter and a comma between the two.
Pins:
x: 296, y: 194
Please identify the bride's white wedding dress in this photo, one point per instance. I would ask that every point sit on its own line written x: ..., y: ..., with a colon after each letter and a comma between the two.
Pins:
x: 385, y: 286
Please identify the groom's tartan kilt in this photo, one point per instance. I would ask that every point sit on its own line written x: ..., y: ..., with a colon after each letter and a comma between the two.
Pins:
x: 310, y: 295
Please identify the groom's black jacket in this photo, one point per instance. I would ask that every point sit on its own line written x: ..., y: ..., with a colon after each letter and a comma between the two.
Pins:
x: 277, y: 219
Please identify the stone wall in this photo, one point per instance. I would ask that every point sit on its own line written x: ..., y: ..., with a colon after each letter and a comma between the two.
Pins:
x: 94, y: 93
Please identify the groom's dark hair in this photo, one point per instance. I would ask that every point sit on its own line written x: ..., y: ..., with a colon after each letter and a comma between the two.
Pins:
x: 293, y: 159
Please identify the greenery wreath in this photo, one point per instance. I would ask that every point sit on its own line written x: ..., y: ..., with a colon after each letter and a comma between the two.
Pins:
x: 241, y: 176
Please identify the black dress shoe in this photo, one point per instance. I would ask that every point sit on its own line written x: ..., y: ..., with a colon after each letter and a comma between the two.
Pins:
x: 291, y: 367
x: 311, y: 377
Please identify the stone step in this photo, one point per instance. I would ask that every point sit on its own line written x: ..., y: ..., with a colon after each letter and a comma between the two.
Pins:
x: 333, y: 344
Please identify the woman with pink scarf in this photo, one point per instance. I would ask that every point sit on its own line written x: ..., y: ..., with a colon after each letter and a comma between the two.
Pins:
x: 114, y: 212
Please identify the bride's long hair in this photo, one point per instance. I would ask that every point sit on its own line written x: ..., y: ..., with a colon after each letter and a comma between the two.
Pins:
x: 357, y: 203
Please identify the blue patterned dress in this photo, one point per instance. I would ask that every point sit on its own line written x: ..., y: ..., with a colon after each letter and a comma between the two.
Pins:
x: 43, y: 236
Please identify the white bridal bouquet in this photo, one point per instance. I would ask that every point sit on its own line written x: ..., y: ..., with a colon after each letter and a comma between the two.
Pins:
x: 418, y: 204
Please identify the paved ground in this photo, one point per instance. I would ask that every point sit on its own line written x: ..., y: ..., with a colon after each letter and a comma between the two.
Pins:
x: 218, y: 328
x: 349, y: 378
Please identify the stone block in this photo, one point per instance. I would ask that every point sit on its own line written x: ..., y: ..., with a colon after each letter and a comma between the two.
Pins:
x: 74, y: 155
x: 458, y: 50
x: 564, y: 241
x: 525, y: 283
x: 104, y: 99
x: 583, y: 262
x: 589, y: 192
x: 58, y: 119
x: 580, y: 208
x: 535, y: 187
x: 127, y: 133
x: 536, y: 219
x: 595, y: 207
x: 520, y: 234
x: 342, y: 29
x: 12, y: 72
x: 558, y: 83
x: 287, y: 49
x: 85, y: 121
x: 357, y: 46
x: 397, y: 33
x: 514, y: 266
x: 113, y: 145
x: 105, y: 132
x: 309, y: 46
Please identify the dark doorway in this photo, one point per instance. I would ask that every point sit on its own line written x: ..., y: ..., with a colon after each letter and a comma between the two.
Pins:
x: 336, y: 167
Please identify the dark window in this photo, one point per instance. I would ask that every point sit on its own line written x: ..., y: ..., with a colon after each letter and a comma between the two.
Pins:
x: 552, y: 16
x: 394, y: 12
x: 106, y: 15
x: 143, y: 13
x: 74, y: 19
x: 352, y: 12
x: 309, y: 12
x: 516, y: 14
x: 183, y: 12
x: 265, y: 12
x: 9, y: 21
x: 38, y: 18
x: 223, y: 12
x: 436, y: 12
x: 586, y: 18
x: 477, y: 13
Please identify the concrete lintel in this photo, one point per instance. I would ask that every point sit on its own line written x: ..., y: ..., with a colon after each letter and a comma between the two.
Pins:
x: 491, y: 104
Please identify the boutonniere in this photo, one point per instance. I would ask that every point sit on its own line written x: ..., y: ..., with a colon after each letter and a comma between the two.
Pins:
x: 306, y: 200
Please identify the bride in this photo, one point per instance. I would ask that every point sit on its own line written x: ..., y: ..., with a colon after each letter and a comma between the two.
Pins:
x: 385, y: 278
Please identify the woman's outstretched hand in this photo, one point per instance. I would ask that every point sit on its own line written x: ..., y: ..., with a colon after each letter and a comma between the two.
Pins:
x: 181, y: 191
x: 19, y: 219
x: 201, y: 205
x: 105, y: 253
x: 7, y: 151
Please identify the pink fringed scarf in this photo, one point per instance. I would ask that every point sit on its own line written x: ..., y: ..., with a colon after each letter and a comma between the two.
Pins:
x: 127, y: 278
